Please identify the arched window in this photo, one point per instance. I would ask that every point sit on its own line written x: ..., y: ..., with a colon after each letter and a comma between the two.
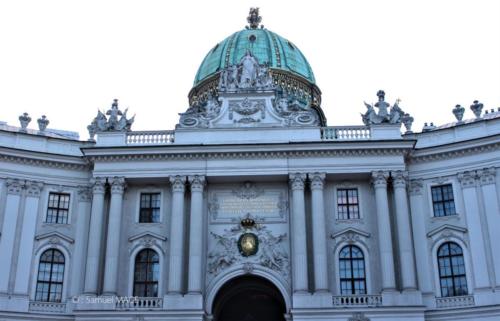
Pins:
x: 50, y: 277
x: 146, y: 273
x: 452, y: 270
x: 352, y: 270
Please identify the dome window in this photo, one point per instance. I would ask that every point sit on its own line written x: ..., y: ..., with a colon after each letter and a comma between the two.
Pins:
x: 252, y: 38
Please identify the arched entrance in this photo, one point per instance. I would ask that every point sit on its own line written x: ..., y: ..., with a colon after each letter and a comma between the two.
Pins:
x: 249, y: 298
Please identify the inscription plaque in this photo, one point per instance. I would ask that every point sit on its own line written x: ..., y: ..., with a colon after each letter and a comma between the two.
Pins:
x: 229, y: 205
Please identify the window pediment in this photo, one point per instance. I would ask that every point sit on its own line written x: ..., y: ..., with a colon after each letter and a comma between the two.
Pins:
x: 54, y: 238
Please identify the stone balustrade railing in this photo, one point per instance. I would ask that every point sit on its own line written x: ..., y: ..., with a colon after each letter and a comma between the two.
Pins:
x: 140, y: 303
x: 455, y: 301
x: 157, y: 137
x: 357, y: 300
x: 345, y: 133
x: 48, y: 307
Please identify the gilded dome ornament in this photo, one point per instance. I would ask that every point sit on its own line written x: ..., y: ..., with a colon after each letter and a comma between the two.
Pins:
x: 253, y: 18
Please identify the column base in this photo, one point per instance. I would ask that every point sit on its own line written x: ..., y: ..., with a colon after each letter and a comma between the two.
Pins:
x: 17, y: 303
x: 321, y: 299
x: 409, y: 297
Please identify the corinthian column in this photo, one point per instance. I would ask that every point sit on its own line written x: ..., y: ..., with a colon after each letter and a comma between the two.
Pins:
x: 319, y: 232
x: 404, y: 231
x: 95, y: 236
x: 28, y: 228
x: 298, y: 221
x: 195, y: 234
x: 14, y: 188
x: 113, y: 240
x: 379, y: 179
x: 487, y: 179
x: 176, y: 234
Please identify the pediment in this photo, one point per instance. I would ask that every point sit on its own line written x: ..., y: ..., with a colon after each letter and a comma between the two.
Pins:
x: 54, y: 237
x: 147, y: 235
x: 350, y: 233
x: 447, y: 228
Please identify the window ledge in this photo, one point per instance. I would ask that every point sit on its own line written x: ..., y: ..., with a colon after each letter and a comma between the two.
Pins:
x: 350, y: 221
x: 454, y: 217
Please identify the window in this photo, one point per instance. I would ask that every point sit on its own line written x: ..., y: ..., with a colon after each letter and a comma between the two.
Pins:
x: 150, y: 208
x: 146, y: 272
x: 452, y: 270
x: 352, y: 271
x: 58, y: 208
x: 442, y: 200
x: 49, y: 283
x: 347, y: 203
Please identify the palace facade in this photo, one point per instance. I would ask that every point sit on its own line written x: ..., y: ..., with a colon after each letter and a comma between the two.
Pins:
x: 253, y: 208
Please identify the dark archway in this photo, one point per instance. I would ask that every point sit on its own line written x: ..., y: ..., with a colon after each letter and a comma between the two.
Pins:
x: 249, y: 298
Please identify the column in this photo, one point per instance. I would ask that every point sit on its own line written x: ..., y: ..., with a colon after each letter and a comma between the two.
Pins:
x: 195, y: 234
x: 113, y: 238
x: 95, y: 236
x: 319, y: 232
x: 81, y: 239
x: 298, y: 221
x: 404, y: 231
x: 468, y: 181
x: 384, y: 230
x: 14, y: 188
x: 176, y: 235
x: 25, y: 255
x: 418, y: 216
x: 487, y: 178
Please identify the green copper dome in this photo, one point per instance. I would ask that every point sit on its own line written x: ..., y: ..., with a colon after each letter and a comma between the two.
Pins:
x: 266, y: 46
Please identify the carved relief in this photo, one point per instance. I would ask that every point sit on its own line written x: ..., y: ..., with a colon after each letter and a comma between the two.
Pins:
x: 14, y: 186
x: 399, y: 178
x: 33, y: 188
x: 379, y: 178
x: 487, y: 176
x: 271, y: 252
x: 248, y: 111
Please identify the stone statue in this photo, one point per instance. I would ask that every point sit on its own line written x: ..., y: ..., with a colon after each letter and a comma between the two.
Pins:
x: 476, y: 108
x: 24, y: 119
x: 43, y: 122
x: 101, y: 123
x: 249, y: 67
x: 386, y: 113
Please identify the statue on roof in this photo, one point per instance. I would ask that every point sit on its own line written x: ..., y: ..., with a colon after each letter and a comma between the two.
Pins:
x: 386, y: 113
x: 249, y: 67
x: 101, y: 123
x: 253, y: 18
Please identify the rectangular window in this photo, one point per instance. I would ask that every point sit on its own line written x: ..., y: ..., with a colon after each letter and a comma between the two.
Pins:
x: 442, y: 200
x: 58, y: 208
x: 150, y: 208
x: 347, y: 203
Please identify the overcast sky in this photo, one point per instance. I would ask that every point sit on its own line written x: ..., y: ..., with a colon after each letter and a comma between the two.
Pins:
x: 66, y: 59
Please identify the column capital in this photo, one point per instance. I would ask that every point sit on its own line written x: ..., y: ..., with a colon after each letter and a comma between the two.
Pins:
x: 118, y: 184
x: 84, y: 193
x: 178, y: 183
x: 33, y: 188
x: 416, y: 186
x: 379, y: 178
x: 98, y: 185
x: 297, y: 180
x: 317, y: 180
x: 487, y: 175
x: 467, y: 179
x: 399, y: 178
x: 14, y: 186
x: 197, y: 182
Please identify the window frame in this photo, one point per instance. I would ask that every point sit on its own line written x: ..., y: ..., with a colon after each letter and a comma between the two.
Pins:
x: 137, y: 214
x: 335, y: 204
x: 146, y: 282
x: 50, y: 282
x: 433, y: 202
x: 48, y: 207
x: 449, y: 258
x: 352, y: 279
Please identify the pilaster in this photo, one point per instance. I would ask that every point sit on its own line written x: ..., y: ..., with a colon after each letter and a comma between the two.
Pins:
x: 196, y: 241
x: 298, y: 235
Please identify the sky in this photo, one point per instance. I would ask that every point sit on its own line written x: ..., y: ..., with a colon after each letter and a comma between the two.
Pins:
x: 66, y: 59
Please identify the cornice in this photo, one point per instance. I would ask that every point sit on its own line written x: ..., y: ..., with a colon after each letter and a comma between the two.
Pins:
x: 33, y: 158
x: 193, y: 155
x: 454, y: 150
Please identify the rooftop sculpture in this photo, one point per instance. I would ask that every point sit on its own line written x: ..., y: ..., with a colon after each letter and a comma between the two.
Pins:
x: 101, y: 123
x: 386, y: 113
